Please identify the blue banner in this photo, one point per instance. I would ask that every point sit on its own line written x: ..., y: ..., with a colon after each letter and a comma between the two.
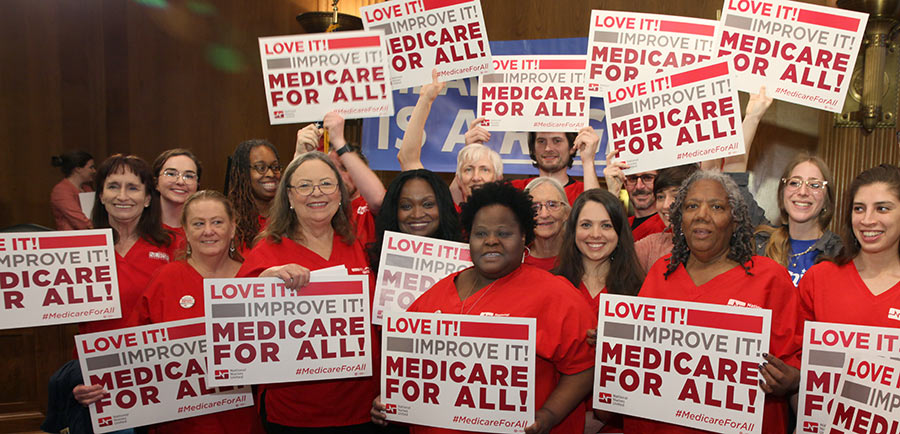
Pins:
x: 455, y: 109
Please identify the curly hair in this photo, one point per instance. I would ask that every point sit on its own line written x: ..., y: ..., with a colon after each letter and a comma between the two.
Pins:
x: 625, y: 275
x: 741, y: 243
x: 500, y: 193
x: 886, y: 174
x: 149, y: 225
x: 386, y: 220
x: 240, y: 193
x: 532, y: 138
x: 283, y: 221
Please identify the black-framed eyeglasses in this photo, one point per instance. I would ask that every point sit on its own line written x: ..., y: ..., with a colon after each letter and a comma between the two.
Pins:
x: 261, y: 168
x: 189, y: 177
x: 795, y: 182
x: 552, y: 205
x: 648, y: 178
x: 307, y: 188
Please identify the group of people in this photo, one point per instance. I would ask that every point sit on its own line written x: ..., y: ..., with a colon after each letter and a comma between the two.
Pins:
x: 544, y: 248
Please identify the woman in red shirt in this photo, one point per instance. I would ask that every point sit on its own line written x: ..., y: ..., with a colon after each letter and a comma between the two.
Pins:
x: 251, y: 183
x: 78, y: 171
x: 551, y: 209
x: 176, y: 292
x: 177, y: 173
x: 308, y: 229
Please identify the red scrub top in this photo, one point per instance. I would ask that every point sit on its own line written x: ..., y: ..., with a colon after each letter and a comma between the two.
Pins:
x: 836, y: 293
x: 363, y: 220
x: 175, y: 293
x: 652, y: 225
x: 614, y: 425
x: 134, y: 271
x: 573, y: 188
x: 320, y: 403
x: 562, y: 323
x: 545, y: 264
x: 769, y: 287
x: 180, y: 243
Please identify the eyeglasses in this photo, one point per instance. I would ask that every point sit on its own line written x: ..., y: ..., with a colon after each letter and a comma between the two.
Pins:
x: 261, y: 168
x: 189, y: 177
x: 307, y: 188
x: 795, y: 182
x: 552, y: 205
x: 648, y: 178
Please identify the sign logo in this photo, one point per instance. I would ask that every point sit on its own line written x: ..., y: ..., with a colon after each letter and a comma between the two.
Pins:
x: 279, y: 114
x: 221, y: 374
x: 105, y: 421
x: 894, y: 314
x: 390, y: 408
x: 593, y: 87
x: 810, y: 426
x: 486, y: 123
x: 605, y: 398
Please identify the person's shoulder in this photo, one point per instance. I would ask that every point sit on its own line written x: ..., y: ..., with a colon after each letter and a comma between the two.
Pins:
x: 520, y: 183
x: 545, y: 280
x: 828, y: 268
x: 765, y: 264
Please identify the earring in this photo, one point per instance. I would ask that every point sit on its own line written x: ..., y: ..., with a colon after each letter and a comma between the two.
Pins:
x: 231, y: 249
x: 188, y: 250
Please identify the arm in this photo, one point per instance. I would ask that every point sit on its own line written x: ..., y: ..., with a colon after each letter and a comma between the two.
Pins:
x: 586, y: 142
x: 410, y: 153
x: 756, y: 108
x: 569, y: 392
x: 367, y: 182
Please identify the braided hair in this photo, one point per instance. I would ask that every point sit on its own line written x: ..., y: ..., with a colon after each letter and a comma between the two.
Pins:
x: 240, y: 193
x: 741, y: 243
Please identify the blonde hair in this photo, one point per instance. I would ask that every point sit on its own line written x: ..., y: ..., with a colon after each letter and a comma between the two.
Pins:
x: 475, y: 152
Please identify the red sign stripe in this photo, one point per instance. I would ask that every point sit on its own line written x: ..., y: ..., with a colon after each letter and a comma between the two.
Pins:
x: 434, y: 4
x: 71, y: 241
x: 362, y: 41
x: 562, y: 64
x: 186, y: 331
x: 828, y: 20
x: 689, y: 28
x: 491, y: 330
x: 332, y: 288
x: 704, y: 73
x: 725, y: 321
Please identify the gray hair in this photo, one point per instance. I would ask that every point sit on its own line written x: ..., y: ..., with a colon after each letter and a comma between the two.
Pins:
x: 475, y: 152
x: 537, y: 182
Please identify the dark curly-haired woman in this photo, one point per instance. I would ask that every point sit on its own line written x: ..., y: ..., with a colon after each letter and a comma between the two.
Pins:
x: 713, y: 261
x: 253, y: 176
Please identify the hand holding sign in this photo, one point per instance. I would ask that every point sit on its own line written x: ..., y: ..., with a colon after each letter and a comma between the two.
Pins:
x: 586, y: 142
x: 307, y: 139
x: 334, y: 124
x: 293, y: 275
x: 614, y: 172
x: 779, y: 378
x: 477, y: 133
x: 88, y: 394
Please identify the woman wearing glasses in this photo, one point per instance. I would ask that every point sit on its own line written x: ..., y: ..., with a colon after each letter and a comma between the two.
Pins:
x: 806, y: 202
x: 308, y: 229
x: 177, y: 173
x: 252, y: 180
x: 551, y: 209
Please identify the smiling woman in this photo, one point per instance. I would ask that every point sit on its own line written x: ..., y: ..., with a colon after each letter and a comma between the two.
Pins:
x: 253, y: 175
x: 177, y: 172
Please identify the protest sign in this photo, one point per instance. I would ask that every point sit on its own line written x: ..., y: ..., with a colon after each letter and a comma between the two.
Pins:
x: 688, y: 115
x: 454, y: 111
x: 463, y: 372
x: 825, y: 349
x: 306, y: 76
x: 690, y: 364
x: 153, y: 374
x: 447, y: 35
x: 803, y: 53
x: 260, y: 332
x: 409, y: 265
x: 57, y: 277
x: 631, y: 46
x: 869, y: 400
x: 534, y: 93
x: 86, y: 200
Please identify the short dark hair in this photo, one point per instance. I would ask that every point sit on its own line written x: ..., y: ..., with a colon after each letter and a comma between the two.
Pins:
x: 386, y: 220
x: 500, y: 193
x: 149, y: 226
x: 69, y: 161
x: 532, y: 137
x: 673, y: 177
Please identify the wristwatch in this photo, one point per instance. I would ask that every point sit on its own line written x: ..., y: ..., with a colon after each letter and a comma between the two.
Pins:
x: 344, y: 149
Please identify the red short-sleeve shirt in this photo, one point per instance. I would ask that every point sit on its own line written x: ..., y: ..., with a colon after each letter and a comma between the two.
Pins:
x: 562, y: 323
x: 652, y: 225
x: 836, y: 293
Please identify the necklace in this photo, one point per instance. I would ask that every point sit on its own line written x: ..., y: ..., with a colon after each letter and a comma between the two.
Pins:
x: 793, y: 257
x: 472, y: 291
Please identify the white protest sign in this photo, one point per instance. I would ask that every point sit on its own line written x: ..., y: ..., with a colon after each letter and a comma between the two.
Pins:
x: 664, y: 360
x: 628, y: 46
x: 678, y: 117
x: 869, y: 399
x: 306, y: 76
x: 153, y: 374
x: 825, y: 349
x: 534, y: 93
x: 57, y: 278
x: 86, y: 200
x: 260, y: 332
x: 409, y: 265
x: 803, y: 53
x: 464, y: 372
x: 447, y: 35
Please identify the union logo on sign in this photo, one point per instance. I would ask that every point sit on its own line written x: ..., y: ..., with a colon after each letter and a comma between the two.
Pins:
x: 221, y: 374
x: 809, y: 426
x: 605, y: 398
x: 390, y: 408
x: 279, y: 114
x: 105, y: 421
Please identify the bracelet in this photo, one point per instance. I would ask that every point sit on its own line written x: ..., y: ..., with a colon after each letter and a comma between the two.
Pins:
x: 344, y: 149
